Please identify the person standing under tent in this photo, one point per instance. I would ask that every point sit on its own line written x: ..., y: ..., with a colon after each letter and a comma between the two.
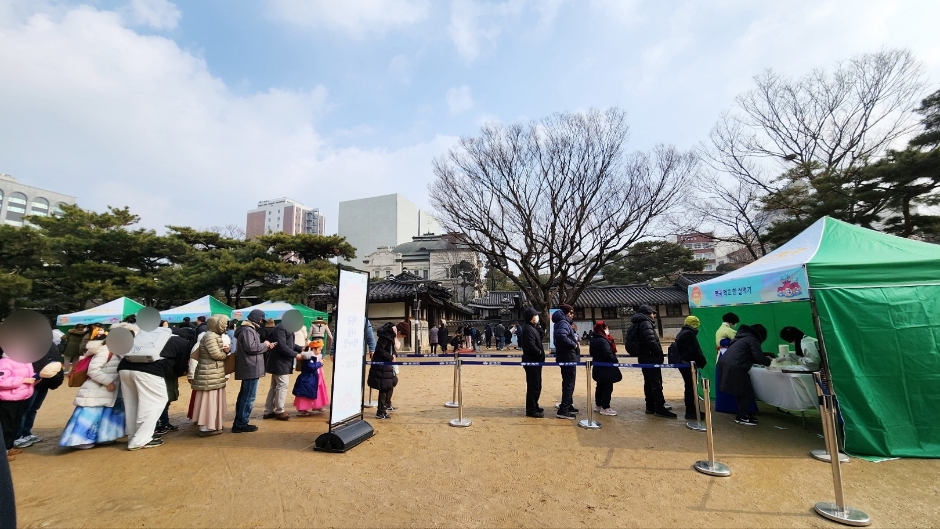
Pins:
x: 603, y: 349
x: 249, y: 368
x: 650, y: 352
x: 807, y: 348
x: 733, y: 367
x: 432, y: 338
x: 690, y: 352
x: 530, y: 339
x: 566, y: 350
x: 726, y: 330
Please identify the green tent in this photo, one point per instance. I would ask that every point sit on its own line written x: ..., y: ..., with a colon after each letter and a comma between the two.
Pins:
x: 276, y: 309
x: 874, y: 302
x: 111, y: 312
x: 204, y: 306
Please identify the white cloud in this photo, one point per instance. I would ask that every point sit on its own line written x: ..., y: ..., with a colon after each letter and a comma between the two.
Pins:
x: 459, y: 99
x: 472, y: 22
x: 158, y: 14
x: 93, y: 109
x: 356, y: 18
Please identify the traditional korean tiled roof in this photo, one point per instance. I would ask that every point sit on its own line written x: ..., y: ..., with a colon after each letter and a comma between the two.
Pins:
x: 494, y: 299
x: 399, y: 287
x: 690, y: 278
x: 631, y: 296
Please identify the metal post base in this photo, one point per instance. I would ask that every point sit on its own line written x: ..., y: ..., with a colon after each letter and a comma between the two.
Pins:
x: 590, y: 425
x: 451, y: 404
x: 848, y: 516
x: 460, y: 423
x: 712, y: 468
x: 698, y: 426
x: 370, y: 404
x: 823, y: 455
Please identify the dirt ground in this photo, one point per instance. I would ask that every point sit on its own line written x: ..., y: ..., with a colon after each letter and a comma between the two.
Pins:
x: 506, y: 470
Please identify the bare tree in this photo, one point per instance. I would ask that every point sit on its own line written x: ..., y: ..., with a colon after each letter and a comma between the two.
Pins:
x: 229, y: 231
x: 734, y: 209
x: 550, y: 203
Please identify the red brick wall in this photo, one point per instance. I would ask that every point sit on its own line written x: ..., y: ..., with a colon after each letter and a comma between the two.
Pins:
x: 254, y: 226
x: 288, y: 220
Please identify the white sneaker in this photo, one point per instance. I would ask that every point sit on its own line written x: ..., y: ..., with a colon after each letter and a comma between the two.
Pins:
x: 23, y: 442
x: 35, y: 438
x: 607, y: 411
x: 597, y: 408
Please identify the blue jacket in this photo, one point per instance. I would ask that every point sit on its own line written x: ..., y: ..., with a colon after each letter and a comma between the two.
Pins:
x: 566, y: 340
x: 307, y: 383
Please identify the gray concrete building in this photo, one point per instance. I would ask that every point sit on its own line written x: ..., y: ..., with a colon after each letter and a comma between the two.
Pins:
x: 387, y: 220
x: 19, y: 200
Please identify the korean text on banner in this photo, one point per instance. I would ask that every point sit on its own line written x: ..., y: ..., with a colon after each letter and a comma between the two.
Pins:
x: 350, y: 343
x: 784, y: 285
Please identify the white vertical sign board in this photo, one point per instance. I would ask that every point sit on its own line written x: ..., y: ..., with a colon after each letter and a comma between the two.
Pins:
x: 350, y: 343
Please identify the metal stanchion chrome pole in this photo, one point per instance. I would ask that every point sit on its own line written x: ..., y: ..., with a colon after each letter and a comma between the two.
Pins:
x: 710, y: 467
x: 823, y: 455
x: 460, y: 421
x: 453, y: 403
x: 589, y: 422
x: 838, y: 511
x: 696, y: 425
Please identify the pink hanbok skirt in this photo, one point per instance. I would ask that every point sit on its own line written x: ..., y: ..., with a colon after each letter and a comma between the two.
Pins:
x: 322, y: 400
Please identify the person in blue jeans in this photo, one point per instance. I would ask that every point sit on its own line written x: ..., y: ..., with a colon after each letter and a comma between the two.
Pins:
x: 249, y: 368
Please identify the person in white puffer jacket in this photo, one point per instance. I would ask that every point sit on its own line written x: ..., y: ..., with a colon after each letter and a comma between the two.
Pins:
x: 99, y: 410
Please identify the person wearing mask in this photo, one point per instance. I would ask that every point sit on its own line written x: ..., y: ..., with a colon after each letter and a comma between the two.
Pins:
x: 432, y: 338
x: 500, y: 332
x: 249, y: 368
x: 530, y: 339
x: 733, y: 368
x: 99, y: 410
x: 144, y: 389
x: 650, y: 351
x: 566, y: 350
x: 726, y: 330
x: 209, y: 379
x: 807, y: 348
x: 279, y: 364
x: 443, y: 336
x: 603, y: 349
x: 383, y: 378
x: 689, y: 351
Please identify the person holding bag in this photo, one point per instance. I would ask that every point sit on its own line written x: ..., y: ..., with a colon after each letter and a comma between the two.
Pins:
x: 209, y: 378
x: 603, y: 349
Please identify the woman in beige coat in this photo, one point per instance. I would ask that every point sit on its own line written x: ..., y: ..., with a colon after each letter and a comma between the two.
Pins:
x: 209, y: 379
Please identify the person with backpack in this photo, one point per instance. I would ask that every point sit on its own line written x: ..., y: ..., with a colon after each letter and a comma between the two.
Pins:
x: 566, y: 350
x: 643, y: 341
x: 687, y: 351
x: 603, y: 349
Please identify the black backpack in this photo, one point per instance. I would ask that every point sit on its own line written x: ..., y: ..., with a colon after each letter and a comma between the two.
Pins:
x: 672, y: 354
x: 632, y: 342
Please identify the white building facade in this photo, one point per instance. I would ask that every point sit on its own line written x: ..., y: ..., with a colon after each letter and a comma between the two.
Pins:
x: 19, y: 200
x: 383, y: 221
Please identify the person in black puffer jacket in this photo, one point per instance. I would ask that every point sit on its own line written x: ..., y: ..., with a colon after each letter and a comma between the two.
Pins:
x: 382, y: 378
x: 566, y: 350
x: 603, y: 349
x: 651, y: 352
x: 690, y: 352
x: 733, y: 366
x: 530, y: 340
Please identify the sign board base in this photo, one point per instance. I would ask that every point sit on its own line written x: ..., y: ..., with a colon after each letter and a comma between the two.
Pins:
x: 345, y: 437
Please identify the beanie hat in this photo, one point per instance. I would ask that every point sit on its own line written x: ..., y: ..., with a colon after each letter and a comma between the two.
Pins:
x: 760, y: 330
x: 693, y: 321
x: 256, y: 316
x: 646, y: 309
x: 599, y: 327
x: 565, y: 308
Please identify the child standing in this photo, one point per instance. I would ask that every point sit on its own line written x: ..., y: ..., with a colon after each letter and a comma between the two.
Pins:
x: 310, y: 394
x: 16, y: 387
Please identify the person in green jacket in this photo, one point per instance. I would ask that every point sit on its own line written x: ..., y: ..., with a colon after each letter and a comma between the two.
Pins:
x: 73, y: 342
x: 726, y: 330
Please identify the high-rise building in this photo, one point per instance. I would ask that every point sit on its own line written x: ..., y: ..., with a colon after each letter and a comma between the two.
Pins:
x: 387, y: 220
x: 283, y: 215
x: 18, y: 200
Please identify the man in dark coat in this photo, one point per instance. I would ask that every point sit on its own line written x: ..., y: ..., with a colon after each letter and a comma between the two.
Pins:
x: 530, y: 340
x: 249, y: 368
x: 733, y: 368
x: 690, y: 352
x: 443, y: 337
x: 650, y: 352
x: 566, y: 350
x: 500, y: 332
x: 382, y: 378
x: 488, y: 335
x: 279, y: 363
x: 200, y: 325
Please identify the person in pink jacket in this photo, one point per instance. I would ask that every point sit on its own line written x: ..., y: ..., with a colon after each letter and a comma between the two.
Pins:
x: 16, y: 386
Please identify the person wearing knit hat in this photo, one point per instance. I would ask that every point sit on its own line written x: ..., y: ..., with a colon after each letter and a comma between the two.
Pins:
x: 689, y: 351
x: 249, y: 368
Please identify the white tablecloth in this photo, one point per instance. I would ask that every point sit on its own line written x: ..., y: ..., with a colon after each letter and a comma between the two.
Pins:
x: 790, y: 391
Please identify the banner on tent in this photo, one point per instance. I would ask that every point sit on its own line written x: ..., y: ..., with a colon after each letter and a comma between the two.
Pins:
x: 782, y: 285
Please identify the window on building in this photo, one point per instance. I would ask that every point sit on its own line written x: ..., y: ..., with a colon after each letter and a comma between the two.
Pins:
x: 609, y: 313
x: 424, y: 273
x: 673, y: 310
x: 16, y: 209
x: 495, y: 314
x: 579, y: 313
x: 58, y: 212
x: 375, y: 274
x: 39, y: 207
x: 388, y: 273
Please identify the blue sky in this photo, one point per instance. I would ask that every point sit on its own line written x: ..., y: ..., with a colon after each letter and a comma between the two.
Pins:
x: 191, y: 112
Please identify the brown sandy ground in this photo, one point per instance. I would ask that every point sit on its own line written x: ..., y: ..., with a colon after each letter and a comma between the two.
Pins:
x: 506, y: 470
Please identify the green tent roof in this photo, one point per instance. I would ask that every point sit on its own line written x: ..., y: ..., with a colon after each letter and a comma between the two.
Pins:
x: 111, y: 312
x: 204, y: 306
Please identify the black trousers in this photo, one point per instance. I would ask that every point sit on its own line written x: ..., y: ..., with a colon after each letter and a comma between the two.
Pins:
x: 385, y: 400
x: 164, y: 420
x: 689, y: 392
x: 533, y: 388
x: 653, y: 388
x: 433, y: 348
x: 11, y: 415
x: 568, y: 375
x: 602, y: 393
x: 489, y: 341
x: 744, y: 407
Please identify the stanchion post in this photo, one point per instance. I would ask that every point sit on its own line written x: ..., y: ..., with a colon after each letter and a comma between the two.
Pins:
x: 460, y: 421
x: 838, y: 511
x: 589, y: 422
x: 710, y: 467
x: 823, y: 455
x: 697, y: 425
x: 368, y: 403
x: 453, y: 403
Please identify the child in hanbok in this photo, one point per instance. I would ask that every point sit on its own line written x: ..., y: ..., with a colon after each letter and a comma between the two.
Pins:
x: 310, y: 393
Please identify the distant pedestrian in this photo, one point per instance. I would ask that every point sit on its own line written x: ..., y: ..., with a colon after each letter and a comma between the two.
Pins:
x: 73, y: 341
x: 433, y: 333
x: 443, y: 336
x: 488, y: 334
x: 500, y: 331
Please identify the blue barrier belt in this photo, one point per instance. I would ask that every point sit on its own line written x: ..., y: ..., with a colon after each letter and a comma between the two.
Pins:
x: 411, y: 363
x: 642, y: 366
x: 513, y: 363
